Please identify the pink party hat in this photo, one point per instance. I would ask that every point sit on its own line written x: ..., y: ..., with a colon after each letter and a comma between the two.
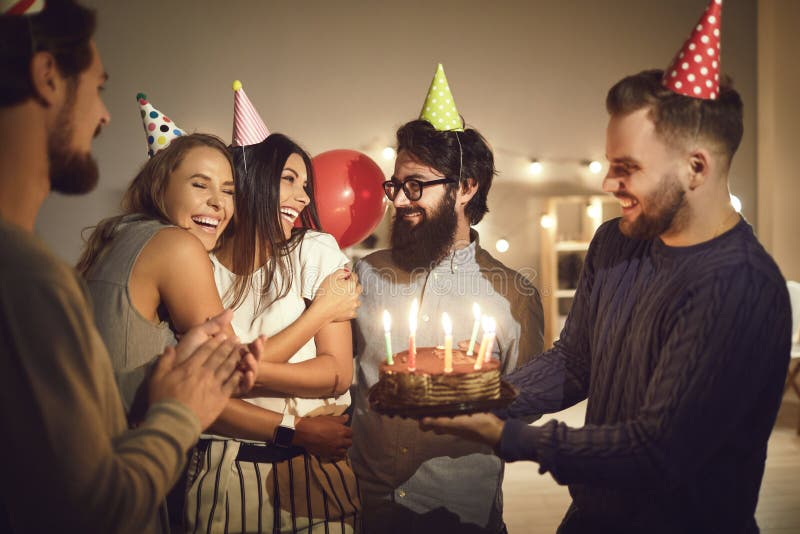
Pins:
x: 158, y: 128
x: 248, y: 128
x: 21, y: 7
x: 695, y: 70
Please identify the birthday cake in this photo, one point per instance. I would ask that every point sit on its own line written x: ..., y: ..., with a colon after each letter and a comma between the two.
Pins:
x: 429, y: 385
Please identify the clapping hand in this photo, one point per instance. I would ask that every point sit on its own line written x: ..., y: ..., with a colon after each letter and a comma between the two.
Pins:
x: 201, y: 371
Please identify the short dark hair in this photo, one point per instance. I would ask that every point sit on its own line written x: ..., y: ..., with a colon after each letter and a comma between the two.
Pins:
x: 63, y: 28
x: 677, y: 117
x: 441, y: 151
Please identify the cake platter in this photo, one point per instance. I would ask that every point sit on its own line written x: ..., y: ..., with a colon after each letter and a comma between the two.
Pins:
x: 507, y: 394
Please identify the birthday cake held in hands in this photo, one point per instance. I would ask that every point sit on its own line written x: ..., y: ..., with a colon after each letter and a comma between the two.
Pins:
x: 429, y: 385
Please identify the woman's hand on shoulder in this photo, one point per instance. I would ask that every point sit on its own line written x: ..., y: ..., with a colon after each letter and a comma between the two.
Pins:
x: 337, y: 297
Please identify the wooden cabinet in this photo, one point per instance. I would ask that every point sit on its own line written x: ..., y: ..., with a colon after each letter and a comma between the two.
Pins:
x: 567, y: 226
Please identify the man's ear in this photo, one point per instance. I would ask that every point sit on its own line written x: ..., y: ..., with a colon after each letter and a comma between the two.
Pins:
x: 466, y: 191
x: 47, y: 81
x: 699, y: 168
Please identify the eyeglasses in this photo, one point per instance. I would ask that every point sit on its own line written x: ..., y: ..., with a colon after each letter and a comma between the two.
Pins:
x: 411, y: 187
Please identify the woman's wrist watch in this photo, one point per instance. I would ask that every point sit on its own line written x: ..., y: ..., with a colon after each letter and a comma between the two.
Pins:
x: 284, y: 432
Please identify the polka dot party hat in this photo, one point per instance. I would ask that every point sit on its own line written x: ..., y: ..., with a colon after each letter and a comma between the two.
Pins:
x: 158, y: 128
x: 439, y: 108
x: 695, y: 70
x: 21, y: 7
x: 248, y: 128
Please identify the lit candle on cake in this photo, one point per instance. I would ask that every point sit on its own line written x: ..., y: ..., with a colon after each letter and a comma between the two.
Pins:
x: 476, y: 312
x: 492, y: 324
x: 447, y: 324
x: 412, y: 329
x: 387, y: 333
x: 484, y: 343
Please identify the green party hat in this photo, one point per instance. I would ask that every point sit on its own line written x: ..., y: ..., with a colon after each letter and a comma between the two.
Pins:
x: 440, y: 108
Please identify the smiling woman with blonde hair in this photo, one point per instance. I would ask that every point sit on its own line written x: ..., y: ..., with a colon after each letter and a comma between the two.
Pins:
x: 148, y: 268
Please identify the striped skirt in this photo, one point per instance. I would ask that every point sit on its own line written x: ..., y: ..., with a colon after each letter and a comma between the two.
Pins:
x: 229, y: 491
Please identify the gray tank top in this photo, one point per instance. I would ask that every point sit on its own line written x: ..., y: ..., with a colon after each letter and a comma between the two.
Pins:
x: 133, y: 341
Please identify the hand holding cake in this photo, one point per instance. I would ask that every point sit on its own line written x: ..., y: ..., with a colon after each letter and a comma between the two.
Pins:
x: 481, y: 427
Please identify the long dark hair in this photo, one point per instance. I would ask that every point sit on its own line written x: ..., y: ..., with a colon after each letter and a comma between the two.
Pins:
x: 256, y: 234
x: 145, y: 195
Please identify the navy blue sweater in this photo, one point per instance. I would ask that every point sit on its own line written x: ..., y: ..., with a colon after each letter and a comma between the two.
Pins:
x: 682, y: 353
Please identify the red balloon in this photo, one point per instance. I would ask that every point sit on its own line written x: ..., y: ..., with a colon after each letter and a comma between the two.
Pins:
x: 349, y: 194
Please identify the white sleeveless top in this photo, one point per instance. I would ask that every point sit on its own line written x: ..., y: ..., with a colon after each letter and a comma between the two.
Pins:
x: 317, y: 256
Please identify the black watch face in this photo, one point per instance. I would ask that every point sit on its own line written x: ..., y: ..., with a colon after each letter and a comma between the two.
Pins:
x: 283, y: 436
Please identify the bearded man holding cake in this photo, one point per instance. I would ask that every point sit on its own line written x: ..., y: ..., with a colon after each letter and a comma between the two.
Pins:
x: 680, y: 331
x: 411, y: 480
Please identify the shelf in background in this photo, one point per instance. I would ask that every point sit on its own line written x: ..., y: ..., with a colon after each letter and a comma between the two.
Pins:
x: 565, y: 244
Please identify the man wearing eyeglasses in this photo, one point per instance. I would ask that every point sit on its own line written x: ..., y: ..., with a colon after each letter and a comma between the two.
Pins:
x: 415, y: 481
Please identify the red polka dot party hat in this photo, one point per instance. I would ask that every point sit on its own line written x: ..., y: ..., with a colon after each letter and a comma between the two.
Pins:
x: 158, y: 128
x: 695, y: 70
x: 248, y: 127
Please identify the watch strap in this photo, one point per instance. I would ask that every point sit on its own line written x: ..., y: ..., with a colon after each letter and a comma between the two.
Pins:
x: 284, y: 432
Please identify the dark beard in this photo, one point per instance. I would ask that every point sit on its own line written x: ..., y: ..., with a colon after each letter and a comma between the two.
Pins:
x: 71, y: 173
x: 663, y: 213
x: 425, y: 244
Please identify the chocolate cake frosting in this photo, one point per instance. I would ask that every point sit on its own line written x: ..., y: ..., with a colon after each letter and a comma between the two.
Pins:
x: 429, y: 385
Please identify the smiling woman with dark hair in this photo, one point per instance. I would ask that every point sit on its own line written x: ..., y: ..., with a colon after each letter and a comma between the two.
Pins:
x: 283, y: 455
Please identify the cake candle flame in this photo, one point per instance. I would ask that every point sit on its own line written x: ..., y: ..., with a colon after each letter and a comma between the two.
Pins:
x: 412, y: 342
x: 387, y: 334
x: 447, y: 324
x: 476, y: 312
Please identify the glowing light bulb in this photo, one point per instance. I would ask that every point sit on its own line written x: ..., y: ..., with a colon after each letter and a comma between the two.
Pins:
x: 535, y: 167
x: 595, y: 167
x: 547, y: 221
x: 502, y: 245
x: 389, y: 153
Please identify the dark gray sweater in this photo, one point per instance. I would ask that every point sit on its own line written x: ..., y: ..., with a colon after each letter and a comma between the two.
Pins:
x: 682, y: 353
